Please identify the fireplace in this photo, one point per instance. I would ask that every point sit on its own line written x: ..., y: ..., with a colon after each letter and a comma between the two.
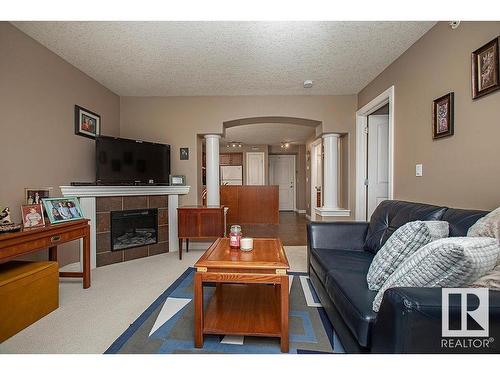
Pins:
x: 133, y: 228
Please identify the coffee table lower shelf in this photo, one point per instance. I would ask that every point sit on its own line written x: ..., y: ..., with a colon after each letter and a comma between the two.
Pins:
x: 245, y: 310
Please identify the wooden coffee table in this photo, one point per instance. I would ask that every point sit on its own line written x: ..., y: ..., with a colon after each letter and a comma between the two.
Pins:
x: 251, y: 294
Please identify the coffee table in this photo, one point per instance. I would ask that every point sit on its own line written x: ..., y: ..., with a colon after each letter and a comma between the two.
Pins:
x: 251, y: 294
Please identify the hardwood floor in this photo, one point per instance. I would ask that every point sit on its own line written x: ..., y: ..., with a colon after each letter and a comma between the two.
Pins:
x: 291, y: 229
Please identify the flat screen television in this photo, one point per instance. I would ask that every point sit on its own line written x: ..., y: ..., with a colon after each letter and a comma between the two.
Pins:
x: 127, y: 161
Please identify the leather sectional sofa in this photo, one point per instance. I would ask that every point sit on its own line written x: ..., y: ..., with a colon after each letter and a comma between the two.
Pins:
x: 409, y: 320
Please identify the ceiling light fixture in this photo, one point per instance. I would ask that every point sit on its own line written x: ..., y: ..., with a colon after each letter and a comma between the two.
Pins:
x: 308, y: 84
x: 234, y: 144
x: 285, y: 145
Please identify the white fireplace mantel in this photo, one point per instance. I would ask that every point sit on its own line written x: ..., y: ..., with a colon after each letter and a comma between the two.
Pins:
x: 87, y: 195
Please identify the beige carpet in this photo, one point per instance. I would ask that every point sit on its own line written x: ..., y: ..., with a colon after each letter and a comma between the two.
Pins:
x: 88, y: 321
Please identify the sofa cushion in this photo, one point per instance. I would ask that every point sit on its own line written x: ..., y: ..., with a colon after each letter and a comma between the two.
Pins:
x: 404, y: 242
x: 322, y: 260
x: 390, y: 215
x: 461, y: 220
x: 446, y: 263
x: 352, y: 298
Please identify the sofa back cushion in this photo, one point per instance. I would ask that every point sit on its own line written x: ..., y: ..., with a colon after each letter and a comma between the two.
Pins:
x: 461, y: 220
x: 390, y: 215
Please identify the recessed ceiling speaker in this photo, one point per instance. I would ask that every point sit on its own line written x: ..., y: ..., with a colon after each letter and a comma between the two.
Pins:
x: 308, y: 84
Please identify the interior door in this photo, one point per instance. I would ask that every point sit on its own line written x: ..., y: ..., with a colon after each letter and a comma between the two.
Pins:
x: 378, y: 161
x: 255, y: 168
x: 282, y: 173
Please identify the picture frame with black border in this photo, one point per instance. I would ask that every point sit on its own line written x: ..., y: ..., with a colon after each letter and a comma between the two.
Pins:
x: 184, y: 153
x: 87, y: 123
x: 443, y: 116
x: 485, y: 69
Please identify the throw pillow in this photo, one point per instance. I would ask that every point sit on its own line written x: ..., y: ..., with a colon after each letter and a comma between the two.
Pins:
x: 487, y: 226
x: 404, y: 242
x: 490, y: 280
x: 447, y: 263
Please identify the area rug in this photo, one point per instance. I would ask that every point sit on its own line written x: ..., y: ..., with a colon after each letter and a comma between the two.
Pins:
x: 167, y: 325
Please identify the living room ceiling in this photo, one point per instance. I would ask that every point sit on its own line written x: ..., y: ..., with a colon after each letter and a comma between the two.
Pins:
x: 228, y: 58
x: 268, y: 134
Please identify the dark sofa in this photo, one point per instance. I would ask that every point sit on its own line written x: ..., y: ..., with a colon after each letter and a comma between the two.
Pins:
x: 409, y: 320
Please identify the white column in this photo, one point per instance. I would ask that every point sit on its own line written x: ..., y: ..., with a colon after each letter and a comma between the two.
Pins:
x: 212, y: 154
x: 173, y: 236
x: 330, y: 168
x: 88, y: 205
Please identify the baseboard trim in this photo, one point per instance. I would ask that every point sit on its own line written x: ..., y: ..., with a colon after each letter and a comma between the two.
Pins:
x: 333, y: 212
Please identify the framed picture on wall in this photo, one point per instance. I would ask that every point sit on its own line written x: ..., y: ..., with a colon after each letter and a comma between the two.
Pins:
x: 184, y: 153
x: 485, y: 69
x: 87, y: 123
x: 442, y: 116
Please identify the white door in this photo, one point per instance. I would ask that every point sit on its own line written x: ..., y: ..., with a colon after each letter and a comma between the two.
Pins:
x: 378, y: 161
x: 255, y: 168
x: 282, y: 173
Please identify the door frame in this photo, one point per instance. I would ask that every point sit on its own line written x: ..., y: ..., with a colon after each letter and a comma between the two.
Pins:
x: 247, y: 170
x: 387, y: 97
x: 271, y: 179
x: 314, y: 176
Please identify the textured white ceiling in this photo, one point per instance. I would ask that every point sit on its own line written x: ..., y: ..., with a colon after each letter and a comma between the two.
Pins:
x: 228, y: 58
x: 268, y: 134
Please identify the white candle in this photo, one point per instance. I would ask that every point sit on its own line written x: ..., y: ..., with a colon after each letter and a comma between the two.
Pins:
x: 246, y: 244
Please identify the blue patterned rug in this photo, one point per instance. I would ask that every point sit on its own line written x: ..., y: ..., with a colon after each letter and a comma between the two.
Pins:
x: 167, y: 325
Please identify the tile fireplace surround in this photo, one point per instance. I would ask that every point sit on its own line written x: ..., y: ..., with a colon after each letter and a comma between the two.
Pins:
x: 98, y: 201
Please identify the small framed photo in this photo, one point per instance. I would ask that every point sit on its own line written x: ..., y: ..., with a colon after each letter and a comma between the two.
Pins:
x: 184, y: 153
x: 485, y: 69
x: 87, y: 123
x: 177, y: 180
x: 32, y: 215
x: 442, y: 116
x: 35, y: 195
x: 60, y: 210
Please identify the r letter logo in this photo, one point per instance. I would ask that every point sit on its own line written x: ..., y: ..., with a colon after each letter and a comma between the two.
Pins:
x: 465, y: 312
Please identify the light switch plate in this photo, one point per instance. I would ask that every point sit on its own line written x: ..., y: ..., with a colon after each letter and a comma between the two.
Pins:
x: 418, y: 170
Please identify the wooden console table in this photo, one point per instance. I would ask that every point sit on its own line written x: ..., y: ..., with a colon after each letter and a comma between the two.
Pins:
x: 199, y: 222
x: 29, y: 240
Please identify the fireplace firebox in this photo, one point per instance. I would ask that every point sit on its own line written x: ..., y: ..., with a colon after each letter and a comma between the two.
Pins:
x: 133, y: 228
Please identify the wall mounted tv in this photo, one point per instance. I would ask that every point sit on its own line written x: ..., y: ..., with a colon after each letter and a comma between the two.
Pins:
x: 127, y: 161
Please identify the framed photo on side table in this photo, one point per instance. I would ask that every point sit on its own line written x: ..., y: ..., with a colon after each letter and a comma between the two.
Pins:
x: 177, y: 180
x: 442, y: 116
x: 87, y: 123
x: 35, y: 195
x: 486, y: 69
x: 32, y: 215
x: 61, y: 210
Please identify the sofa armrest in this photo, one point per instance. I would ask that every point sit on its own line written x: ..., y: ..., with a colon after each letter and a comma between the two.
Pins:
x: 409, y: 321
x: 340, y: 235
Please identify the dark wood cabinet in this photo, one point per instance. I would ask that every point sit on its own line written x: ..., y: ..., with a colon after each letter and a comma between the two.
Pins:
x: 199, y: 222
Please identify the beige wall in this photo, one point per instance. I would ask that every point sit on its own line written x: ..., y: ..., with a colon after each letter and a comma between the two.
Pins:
x: 38, y: 91
x: 178, y: 120
x: 459, y: 171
